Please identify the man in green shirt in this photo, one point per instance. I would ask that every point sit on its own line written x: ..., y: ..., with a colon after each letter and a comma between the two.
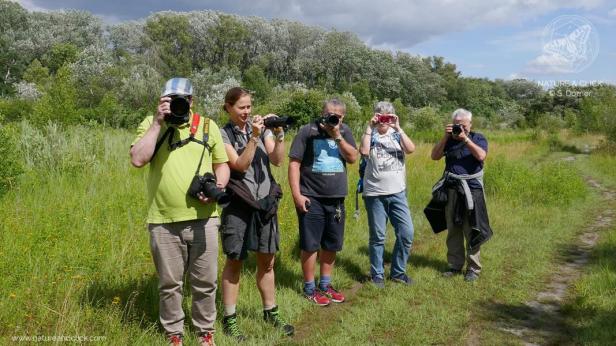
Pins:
x: 183, y: 229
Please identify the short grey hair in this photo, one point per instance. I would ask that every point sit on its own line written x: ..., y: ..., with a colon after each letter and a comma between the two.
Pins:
x: 334, y: 103
x: 384, y: 107
x: 461, y: 113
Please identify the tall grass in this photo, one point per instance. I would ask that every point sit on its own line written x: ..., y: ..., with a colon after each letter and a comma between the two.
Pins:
x: 75, y: 256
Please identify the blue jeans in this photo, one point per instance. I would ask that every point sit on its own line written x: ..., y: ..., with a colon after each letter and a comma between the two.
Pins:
x: 395, y: 208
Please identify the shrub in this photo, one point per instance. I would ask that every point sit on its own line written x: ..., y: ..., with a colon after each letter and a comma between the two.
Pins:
x: 426, y: 118
x: 11, y: 162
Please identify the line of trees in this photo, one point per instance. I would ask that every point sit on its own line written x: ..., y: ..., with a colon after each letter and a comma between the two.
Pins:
x: 69, y: 67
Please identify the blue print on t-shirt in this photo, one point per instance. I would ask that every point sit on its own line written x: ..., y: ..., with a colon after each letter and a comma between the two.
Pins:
x: 326, y: 157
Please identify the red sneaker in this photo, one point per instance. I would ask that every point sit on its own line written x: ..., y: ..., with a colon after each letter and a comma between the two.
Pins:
x: 206, y: 339
x: 333, y: 295
x: 317, y: 298
x: 175, y: 340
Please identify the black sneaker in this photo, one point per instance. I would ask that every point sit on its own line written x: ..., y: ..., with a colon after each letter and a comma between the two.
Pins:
x: 272, y: 316
x: 471, y: 276
x: 402, y: 279
x: 230, y: 327
x: 378, y: 282
x: 451, y: 273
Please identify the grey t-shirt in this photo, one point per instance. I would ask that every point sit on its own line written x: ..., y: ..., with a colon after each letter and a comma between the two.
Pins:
x: 323, y: 169
x: 385, y: 172
x: 256, y: 177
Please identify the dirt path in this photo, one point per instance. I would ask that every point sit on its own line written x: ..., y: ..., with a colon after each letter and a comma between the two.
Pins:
x: 541, y: 321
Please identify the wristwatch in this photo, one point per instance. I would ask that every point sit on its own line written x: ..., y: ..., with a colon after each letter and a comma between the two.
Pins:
x: 338, y: 139
x: 466, y: 140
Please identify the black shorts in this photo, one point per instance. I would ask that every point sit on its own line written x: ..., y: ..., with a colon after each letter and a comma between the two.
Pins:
x: 236, y: 241
x: 323, y: 225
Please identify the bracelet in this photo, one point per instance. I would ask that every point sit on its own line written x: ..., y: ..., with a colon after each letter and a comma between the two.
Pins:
x: 254, y: 139
x: 280, y: 137
x: 367, y: 134
x: 466, y: 140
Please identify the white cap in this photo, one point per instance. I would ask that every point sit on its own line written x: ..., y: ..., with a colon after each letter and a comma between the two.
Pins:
x: 178, y: 86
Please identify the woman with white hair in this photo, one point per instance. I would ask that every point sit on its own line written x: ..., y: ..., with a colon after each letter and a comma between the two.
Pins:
x: 384, y: 146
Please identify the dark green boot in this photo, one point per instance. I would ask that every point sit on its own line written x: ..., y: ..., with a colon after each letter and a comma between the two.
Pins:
x: 272, y: 316
x: 230, y: 327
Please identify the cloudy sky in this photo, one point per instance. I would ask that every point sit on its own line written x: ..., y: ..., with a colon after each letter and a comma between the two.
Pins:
x: 543, y: 40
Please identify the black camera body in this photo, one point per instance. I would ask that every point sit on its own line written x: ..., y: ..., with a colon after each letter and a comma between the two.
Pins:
x: 457, y: 129
x: 180, y: 110
x: 330, y: 119
x: 279, y: 121
x: 207, y: 184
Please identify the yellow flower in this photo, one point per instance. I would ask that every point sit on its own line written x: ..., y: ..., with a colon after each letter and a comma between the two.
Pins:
x: 116, y: 300
x: 12, y: 296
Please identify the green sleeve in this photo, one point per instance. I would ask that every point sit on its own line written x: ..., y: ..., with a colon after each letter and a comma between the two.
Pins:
x: 143, y: 127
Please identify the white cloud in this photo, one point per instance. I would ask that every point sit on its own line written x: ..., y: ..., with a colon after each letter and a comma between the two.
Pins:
x: 30, y: 5
x: 395, y: 23
x: 549, y: 64
x: 516, y: 76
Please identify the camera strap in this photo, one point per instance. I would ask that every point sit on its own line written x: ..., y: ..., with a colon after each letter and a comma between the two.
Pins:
x: 206, y: 136
x: 196, y: 119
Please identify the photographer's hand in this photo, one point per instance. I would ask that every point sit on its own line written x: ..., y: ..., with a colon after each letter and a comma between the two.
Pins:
x: 257, y: 126
x: 461, y: 137
x: 374, y: 122
x: 448, y: 129
x: 203, y: 199
x: 396, y: 123
x: 163, y: 109
x: 332, y: 131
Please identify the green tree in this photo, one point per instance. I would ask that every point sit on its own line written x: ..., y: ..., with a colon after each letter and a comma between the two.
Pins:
x: 255, y: 80
x: 362, y: 93
x: 170, y: 38
x: 13, y: 25
x: 59, y: 101
x: 229, y: 38
x: 36, y: 73
x: 59, y: 55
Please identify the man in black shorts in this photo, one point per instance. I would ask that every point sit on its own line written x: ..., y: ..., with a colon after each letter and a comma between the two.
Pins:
x: 317, y: 175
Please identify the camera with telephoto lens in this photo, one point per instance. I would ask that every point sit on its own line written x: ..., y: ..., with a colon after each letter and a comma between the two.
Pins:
x: 330, y: 119
x: 180, y: 110
x: 207, y: 184
x: 456, y: 129
x: 278, y: 121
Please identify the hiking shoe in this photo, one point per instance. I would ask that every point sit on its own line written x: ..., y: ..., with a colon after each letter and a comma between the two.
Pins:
x: 402, y: 279
x: 230, y: 327
x: 378, y: 282
x: 175, y: 340
x: 471, y: 276
x: 206, y: 339
x: 272, y: 316
x: 451, y: 273
x: 332, y: 294
x: 317, y: 298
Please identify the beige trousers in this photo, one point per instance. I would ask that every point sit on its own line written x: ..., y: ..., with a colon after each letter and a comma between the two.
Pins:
x: 187, y: 247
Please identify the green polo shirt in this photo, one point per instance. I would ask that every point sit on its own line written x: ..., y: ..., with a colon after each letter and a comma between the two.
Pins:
x: 171, y: 172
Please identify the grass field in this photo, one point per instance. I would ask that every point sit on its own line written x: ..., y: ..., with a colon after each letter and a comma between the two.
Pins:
x: 75, y: 258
